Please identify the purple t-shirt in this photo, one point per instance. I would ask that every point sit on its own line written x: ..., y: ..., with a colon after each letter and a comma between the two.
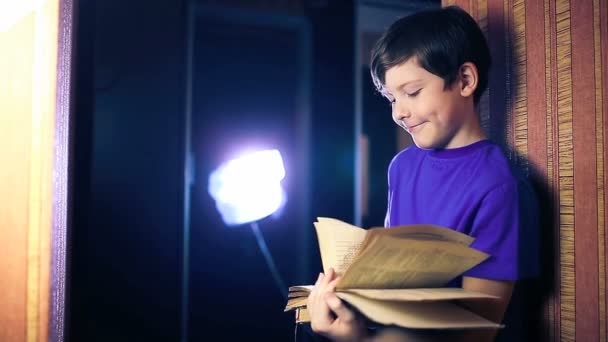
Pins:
x: 471, y: 190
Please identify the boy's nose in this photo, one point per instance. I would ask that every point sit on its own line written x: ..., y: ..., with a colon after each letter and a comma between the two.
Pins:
x: 400, y: 113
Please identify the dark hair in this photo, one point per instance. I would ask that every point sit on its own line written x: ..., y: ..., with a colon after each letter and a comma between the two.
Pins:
x: 441, y: 40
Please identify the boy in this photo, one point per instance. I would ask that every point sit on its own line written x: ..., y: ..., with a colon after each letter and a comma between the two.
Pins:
x: 433, y: 68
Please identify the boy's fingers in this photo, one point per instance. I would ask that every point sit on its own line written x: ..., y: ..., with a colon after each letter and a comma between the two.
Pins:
x: 318, y: 282
x: 317, y: 287
x: 319, y: 278
x: 327, y: 277
x: 332, y: 284
x: 337, y: 306
x: 320, y: 313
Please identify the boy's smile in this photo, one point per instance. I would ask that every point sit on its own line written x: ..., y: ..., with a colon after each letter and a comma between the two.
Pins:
x: 413, y: 127
x: 435, y: 116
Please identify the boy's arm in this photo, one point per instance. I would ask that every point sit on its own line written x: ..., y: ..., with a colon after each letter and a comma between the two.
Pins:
x: 492, y: 310
x: 338, y: 326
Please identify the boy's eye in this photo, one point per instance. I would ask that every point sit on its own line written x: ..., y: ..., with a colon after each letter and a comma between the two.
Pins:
x: 414, y: 93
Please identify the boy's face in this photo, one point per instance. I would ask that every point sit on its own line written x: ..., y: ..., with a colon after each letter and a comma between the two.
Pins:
x: 435, y: 116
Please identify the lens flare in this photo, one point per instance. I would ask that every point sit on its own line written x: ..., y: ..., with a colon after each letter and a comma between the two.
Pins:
x: 248, y: 188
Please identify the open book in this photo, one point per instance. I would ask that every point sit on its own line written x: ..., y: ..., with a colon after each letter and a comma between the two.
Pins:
x: 396, y: 276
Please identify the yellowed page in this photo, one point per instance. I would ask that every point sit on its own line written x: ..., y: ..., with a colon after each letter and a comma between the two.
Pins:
x: 298, y: 298
x: 419, y: 295
x: 422, y: 232
x: 302, y: 315
x: 387, y: 262
x: 425, y: 232
x: 296, y: 294
x: 431, y: 315
x: 294, y: 303
x: 339, y: 243
x: 298, y: 288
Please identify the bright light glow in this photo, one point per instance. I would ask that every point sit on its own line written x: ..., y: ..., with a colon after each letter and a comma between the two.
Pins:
x: 11, y: 11
x: 248, y: 188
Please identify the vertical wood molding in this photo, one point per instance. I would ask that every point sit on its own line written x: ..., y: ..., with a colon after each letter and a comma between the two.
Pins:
x: 464, y: 4
x: 603, y: 36
x: 599, y: 124
x: 536, y: 92
x: 552, y: 304
x: 509, y: 51
x: 519, y: 88
x: 59, y: 235
x: 565, y: 171
x: 497, y: 85
x: 484, y: 102
x: 554, y: 181
x: 585, y: 171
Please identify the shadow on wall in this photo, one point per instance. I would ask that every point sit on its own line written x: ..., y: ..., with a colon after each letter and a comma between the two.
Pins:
x: 537, y: 199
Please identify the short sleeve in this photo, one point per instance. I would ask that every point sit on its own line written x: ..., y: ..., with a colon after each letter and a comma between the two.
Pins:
x: 505, y: 228
x: 390, y: 179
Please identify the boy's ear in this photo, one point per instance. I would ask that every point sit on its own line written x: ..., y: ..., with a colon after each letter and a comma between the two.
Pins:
x: 468, y: 79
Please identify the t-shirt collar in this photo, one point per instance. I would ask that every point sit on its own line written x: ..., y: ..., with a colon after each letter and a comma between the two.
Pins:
x: 448, y: 153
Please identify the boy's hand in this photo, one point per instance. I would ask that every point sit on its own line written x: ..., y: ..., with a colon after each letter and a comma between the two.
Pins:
x: 328, y: 314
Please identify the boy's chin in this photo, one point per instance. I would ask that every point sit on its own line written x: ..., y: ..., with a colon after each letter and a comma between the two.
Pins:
x: 426, y: 145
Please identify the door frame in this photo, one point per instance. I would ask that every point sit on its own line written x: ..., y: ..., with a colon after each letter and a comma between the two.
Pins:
x: 62, y: 156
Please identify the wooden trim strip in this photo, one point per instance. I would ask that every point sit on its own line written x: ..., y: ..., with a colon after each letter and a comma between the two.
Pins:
x: 59, y: 237
x: 536, y: 88
x: 519, y: 71
x: 464, y: 4
x: 585, y: 171
x: 483, y: 106
x: 497, y: 86
x: 555, y: 164
x: 482, y: 16
x: 566, y: 172
x: 603, y: 5
x: 509, y: 113
x: 552, y: 306
x: 600, y: 132
x: 537, y: 120
x: 473, y: 5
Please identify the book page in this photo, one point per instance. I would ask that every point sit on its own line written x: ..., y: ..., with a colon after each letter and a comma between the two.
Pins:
x: 425, y: 232
x: 302, y: 315
x: 298, y: 299
x: 294, y: 303
x: 419, y: 295
x: 303, y: 288
x: 296, y: 294
x: 339, y: 243
x: 389, y: 262
x: 432, y: 315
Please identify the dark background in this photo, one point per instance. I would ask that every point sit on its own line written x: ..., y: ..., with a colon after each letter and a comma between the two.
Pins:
x: 127, y: 226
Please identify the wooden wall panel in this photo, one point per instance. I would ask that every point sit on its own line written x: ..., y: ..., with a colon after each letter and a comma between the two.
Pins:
x: 27, y: 106
x: 548, y: 102
x: 15, y: 137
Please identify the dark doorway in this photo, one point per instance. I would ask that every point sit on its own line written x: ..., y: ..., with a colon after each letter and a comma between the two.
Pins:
x: 247, y: 94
